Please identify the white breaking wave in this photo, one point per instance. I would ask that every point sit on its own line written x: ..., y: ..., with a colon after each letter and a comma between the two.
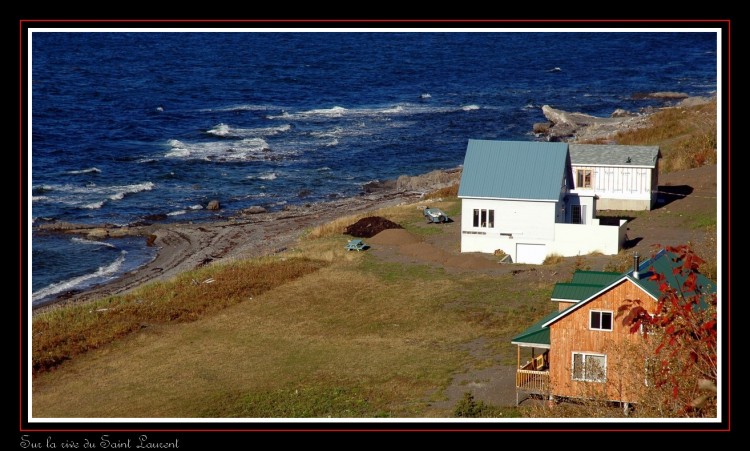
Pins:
x: 399, y: 109
x: 124, y: 190
x: 91, y: 196
x: 239, y: 150
x: 146, y: 160
x: 93, y: 205
x: 225, y: 131
x: 219, y: 130
x: 91, y: 242
x: 242, y: 107
x: 101, y: 272
x: 426, y: 96
x: 38, y: 198
x: 395, y: 109
x: 268, y: 176
x: 176, y: 213
x: 196, y: 207
x: 335, y: 111
x: 85, y: 171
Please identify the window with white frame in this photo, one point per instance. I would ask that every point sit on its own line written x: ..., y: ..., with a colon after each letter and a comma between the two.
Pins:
x: 600, y: 320
x: 589, y: 367
x: 484, y: 218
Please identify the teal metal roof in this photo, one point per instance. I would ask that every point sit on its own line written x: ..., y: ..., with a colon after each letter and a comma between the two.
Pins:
x: 613, y: 155
x: 513, y: 170
x: 601, y: 278
x: 664, y: 263
x: 535, y: 334
x: 574, y: 291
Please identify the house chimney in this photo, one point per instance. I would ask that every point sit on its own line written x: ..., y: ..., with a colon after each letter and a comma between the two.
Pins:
x: 636, y: 263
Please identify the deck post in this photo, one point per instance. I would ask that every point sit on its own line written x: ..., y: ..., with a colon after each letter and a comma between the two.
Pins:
x: 519, y: 357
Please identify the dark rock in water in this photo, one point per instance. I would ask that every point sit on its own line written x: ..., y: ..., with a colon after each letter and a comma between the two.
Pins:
x: 304, y: 193
x: 254, y: 210
x: 370, y: 226
x: 213, y: 205
x: 155, y: 217
x: 542, y: 127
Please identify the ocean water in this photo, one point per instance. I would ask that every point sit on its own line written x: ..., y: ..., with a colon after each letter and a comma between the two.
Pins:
x: 127, y: 125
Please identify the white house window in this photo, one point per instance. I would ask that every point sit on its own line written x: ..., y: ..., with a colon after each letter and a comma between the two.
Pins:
x: 484, y: 218
x: 589, y: 367
x: 577, y: 214
x: 600, y: 320
x: 584, y: 178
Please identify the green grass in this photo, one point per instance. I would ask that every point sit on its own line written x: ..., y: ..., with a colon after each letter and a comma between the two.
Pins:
x: 343, y: 335
x: 701, y: 220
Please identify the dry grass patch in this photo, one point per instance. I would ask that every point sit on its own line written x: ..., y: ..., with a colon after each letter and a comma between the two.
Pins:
x: 358, y: 338
x: 686, y: 136
x: 61, y: 334
x: 553, y: 259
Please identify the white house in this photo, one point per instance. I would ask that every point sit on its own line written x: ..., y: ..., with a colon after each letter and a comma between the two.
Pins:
x: 622, y: 177
x: 516, y: 196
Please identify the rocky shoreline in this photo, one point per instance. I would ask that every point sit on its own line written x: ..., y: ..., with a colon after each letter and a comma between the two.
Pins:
x: 252, y: 233
x: 255, y: 232
x: 583, y: 128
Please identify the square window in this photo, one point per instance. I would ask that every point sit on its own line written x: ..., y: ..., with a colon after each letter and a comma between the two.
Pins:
x: 599, y: 320
x: 589, y: 367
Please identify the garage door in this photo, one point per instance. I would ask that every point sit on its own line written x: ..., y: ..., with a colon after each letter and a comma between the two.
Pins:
x: 530, y: 253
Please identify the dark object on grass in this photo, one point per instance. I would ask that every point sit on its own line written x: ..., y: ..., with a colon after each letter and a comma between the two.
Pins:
x: 370, y: 226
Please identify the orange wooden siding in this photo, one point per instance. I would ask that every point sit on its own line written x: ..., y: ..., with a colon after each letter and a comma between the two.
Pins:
x: 572, y: 334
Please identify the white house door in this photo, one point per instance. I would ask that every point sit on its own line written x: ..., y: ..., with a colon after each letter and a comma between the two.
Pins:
x: 531, y: 253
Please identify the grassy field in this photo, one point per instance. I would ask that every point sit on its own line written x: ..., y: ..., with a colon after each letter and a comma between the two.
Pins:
x: 337, y: 334
x: 316, y: 331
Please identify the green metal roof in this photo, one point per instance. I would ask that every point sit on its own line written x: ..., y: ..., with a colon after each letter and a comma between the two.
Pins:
x: 513, y: 170
x: 586, y: 284
x: 574, y: 291
x: 613, y: 155
x: 601, y: 278
x: 536, y: 334
x: 663, y: 263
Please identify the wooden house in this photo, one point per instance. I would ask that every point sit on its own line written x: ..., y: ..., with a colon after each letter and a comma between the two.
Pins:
x: 580, y: 350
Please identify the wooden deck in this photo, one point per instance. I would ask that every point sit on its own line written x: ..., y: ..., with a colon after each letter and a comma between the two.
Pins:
x: 532, y: 381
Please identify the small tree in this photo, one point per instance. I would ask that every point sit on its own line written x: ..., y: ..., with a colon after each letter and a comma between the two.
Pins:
x: 683, y: 369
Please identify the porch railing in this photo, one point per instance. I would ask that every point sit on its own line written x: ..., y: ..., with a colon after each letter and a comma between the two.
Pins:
x: 532, y: 381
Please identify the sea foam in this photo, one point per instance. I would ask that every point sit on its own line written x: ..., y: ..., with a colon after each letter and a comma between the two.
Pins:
x: 59, y: 287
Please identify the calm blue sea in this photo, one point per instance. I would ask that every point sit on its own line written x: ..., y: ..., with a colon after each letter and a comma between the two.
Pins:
x: 126, y: 125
